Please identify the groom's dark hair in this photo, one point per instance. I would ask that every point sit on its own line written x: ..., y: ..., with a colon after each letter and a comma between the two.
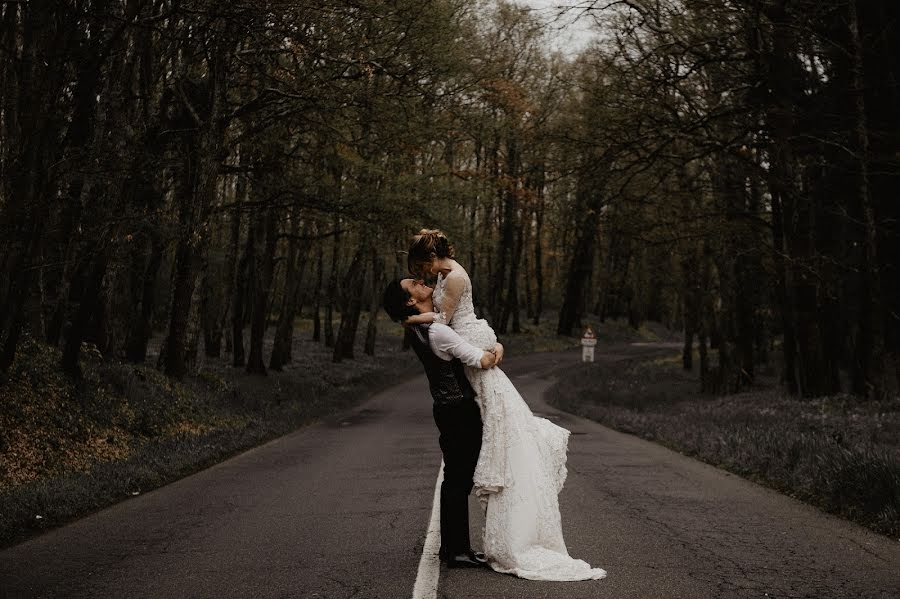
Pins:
x: 394, y: 302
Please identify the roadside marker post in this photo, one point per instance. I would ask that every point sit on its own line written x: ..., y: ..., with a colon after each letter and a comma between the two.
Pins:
x: 588, y: 342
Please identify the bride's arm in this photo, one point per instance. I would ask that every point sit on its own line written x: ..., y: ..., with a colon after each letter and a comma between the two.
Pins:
x: 423, y: 318
x: 453, y: 290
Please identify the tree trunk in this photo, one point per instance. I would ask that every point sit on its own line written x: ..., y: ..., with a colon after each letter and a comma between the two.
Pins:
x: 79, y: 138
x: 184, y: 277
x: 317, y: 320
x: 538, y: 258
x: 86, y: 308
x: 495, y: 271
x: 204, y: 154
x: 708, y: 382
x: 141, y: 327
x: 781, y: 183
x: 242, y: 290
x: 876, y: 368
x: 374, y: 303
x: 195, y: 314
x: 262, y: 284
x: 512, y: 298
x: 582, y: 261
x: 215, y: 305
x: 735, y: 347
x: 34, y: 152
x: 690, y: 308
x: 296, y: 267
x: 527, y: 272
x: 351, y: 307
x: 704, y: 361
x: 332, y: 288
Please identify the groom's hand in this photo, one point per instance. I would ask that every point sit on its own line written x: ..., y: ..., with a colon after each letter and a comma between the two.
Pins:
x: 488, y: 360
x: 498, y: 351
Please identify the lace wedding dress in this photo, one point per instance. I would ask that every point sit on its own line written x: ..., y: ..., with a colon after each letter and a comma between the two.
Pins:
x: 521, y: 468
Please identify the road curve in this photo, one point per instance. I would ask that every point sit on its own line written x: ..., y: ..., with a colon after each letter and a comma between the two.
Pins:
x: 340, y: 510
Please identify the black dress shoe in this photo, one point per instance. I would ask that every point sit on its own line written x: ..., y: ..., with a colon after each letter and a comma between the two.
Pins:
x: 469, y: 559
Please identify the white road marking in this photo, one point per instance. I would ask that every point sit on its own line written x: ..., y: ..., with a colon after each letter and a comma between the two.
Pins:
x: 429, y: 565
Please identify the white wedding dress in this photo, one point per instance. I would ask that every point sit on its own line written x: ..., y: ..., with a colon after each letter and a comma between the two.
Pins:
x: 521, y: 468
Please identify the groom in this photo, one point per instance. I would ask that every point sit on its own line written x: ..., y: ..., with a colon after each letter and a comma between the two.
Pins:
x: 443, y: 352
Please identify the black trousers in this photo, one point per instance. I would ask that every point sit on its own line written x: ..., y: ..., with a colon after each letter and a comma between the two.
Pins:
x: 460, y: 439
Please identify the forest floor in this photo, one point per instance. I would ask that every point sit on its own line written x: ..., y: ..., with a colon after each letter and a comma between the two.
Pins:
x: 839, y: 453
x: 68, y: 449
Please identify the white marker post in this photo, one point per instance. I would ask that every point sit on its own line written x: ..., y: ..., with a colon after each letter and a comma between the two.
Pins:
x: 588, y: 341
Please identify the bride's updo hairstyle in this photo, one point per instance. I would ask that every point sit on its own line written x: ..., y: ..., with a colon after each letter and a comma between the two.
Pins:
x: 425, y: 247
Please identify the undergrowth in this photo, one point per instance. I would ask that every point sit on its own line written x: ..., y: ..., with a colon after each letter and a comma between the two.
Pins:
x: 840, y: 453
x: 69, y: 448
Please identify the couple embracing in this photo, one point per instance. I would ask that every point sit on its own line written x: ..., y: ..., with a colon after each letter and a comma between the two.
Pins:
x: 492, y: 444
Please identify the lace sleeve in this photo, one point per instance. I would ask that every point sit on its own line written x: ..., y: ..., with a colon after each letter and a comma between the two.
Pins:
x: 454, y: 287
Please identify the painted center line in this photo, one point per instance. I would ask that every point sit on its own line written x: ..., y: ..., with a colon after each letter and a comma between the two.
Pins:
x: 429, y: 564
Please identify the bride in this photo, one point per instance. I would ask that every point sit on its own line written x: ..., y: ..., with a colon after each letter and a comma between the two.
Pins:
x: 522, y: 465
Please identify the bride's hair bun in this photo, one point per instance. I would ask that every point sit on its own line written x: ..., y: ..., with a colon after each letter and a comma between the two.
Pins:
x: 426, y: 243
x: 431, y: 241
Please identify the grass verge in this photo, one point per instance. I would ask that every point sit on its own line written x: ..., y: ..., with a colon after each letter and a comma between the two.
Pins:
x: 69, y: 449
x: 839, y: 453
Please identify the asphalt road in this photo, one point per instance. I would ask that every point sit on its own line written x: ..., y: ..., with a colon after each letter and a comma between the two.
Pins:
x: 340, y: 509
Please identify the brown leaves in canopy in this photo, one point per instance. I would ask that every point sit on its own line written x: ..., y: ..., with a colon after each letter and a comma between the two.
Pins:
x: 510, y: 97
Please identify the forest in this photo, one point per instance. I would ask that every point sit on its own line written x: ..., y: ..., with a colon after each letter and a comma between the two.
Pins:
x: 203, y: 173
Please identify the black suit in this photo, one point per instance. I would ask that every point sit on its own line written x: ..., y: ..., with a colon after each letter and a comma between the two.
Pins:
x: 459, y: 421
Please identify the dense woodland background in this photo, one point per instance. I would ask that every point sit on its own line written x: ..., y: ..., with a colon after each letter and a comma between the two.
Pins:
x: 196, y: 170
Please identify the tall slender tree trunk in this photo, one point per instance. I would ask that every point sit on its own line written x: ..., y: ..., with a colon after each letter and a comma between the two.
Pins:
x: 472, y: 266
x: 141, y: 327
x: 195, y: 314
x: 495, y: 270
x: 243, y: 276
x: 86, y: 309
x: 527, y: 268
x: 184, y: 277
x: 875, y: 368
x: 704, y: 361
x: 690, y: 304
x: 582, y: 258
x: 231, y: 259
x: 374, y: 303
x: 511, y: 307
x: 296, y: 267
x: 538, y: 255
x: 708, y: 382
x: 317, y: 319
x: 351, y: 307
x: 781, y: 183
x: 332, y: 288
x: 262, y: 284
